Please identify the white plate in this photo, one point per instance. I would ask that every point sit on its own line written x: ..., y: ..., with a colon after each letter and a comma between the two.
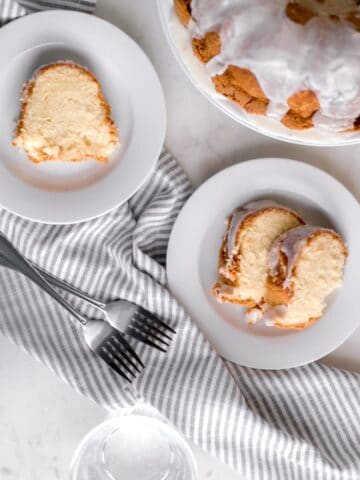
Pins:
x: 180, y: 44
x: 60, y: 192
x: 193, y: 254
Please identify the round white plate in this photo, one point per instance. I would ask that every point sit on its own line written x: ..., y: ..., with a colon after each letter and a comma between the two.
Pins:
x: 180, y: 44
x: 193, y: 255
x: 61, y: 192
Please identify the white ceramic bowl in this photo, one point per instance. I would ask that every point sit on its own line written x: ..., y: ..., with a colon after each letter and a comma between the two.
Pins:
x: 179, y: 41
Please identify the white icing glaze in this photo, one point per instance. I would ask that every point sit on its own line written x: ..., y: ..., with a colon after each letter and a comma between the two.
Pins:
x: 224, y: 289
x: 268, y: 314
x: 253, y: 315
x: 322, y: 56
x: 238, y: 217
x: 290, y: 244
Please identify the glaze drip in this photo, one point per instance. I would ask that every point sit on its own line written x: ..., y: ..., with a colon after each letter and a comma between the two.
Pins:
x: 239, y: 216
x: 290, y: 244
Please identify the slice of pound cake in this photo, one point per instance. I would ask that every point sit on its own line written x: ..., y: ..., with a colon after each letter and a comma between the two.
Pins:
x: 251, y: 231
x: 305, y: 265
x: 64, y: 116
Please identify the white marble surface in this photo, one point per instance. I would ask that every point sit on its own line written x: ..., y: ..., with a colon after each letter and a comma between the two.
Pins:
x: 41, y: 419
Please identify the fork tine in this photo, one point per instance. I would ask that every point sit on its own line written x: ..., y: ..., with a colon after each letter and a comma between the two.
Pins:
x: 124, y: 354
x: 115, y: 367
x: 106, y: 358
x: 128, y: 348
x: 113, y: 352
x: 142, y: 338
x: 140, y: 320
x: 155, y: 319
x: 149, y: 333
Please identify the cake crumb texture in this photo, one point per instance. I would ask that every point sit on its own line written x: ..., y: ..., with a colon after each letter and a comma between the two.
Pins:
x: 243, y: 271
x: 317, y: 272
x: 64, y: 116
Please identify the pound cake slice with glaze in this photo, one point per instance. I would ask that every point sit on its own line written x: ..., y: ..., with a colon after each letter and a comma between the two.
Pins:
x: 64, y: 116
x: 305, y: 265
x: 251, y: 230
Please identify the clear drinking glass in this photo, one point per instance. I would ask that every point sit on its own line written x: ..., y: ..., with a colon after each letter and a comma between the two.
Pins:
x: 134, y: 444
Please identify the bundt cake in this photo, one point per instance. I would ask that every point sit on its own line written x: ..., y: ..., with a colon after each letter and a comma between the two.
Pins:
x: 297, y: 62
x: 242, y: 268
x: 305, y: 265
x: 64, y: 116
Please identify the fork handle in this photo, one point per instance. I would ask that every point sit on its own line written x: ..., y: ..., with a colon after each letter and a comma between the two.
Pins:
x: 58, y: 283
x: 16, y: 260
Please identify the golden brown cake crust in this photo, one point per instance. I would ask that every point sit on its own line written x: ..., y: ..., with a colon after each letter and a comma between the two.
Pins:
x: 26, y: 95
x: 298, y: 13
x: 305, y: 103
x: 302, y: 107
x: 207, y: 47
x: 183, y: 11
x: 354, y: 19
x: 241, y: 86
x: 234, y: 265
x: 294, y: 121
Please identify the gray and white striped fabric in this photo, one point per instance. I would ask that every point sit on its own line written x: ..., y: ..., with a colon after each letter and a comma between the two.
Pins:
x: 10, y: 9
x: 298, y: 424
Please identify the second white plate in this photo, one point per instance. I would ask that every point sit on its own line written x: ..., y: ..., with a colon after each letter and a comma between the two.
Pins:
x: 193, y: 254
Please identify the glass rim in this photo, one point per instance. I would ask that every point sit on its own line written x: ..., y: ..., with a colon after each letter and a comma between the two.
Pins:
x: 129, y: 412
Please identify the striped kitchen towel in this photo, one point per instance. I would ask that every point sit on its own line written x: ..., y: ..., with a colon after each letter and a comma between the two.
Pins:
x: 302, y: 423
x: 298, y: 424
x: 10, y: 9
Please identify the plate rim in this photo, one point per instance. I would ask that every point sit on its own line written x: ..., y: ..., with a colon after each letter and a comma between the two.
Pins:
x: 61, y: 15
x: 171, y: 270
